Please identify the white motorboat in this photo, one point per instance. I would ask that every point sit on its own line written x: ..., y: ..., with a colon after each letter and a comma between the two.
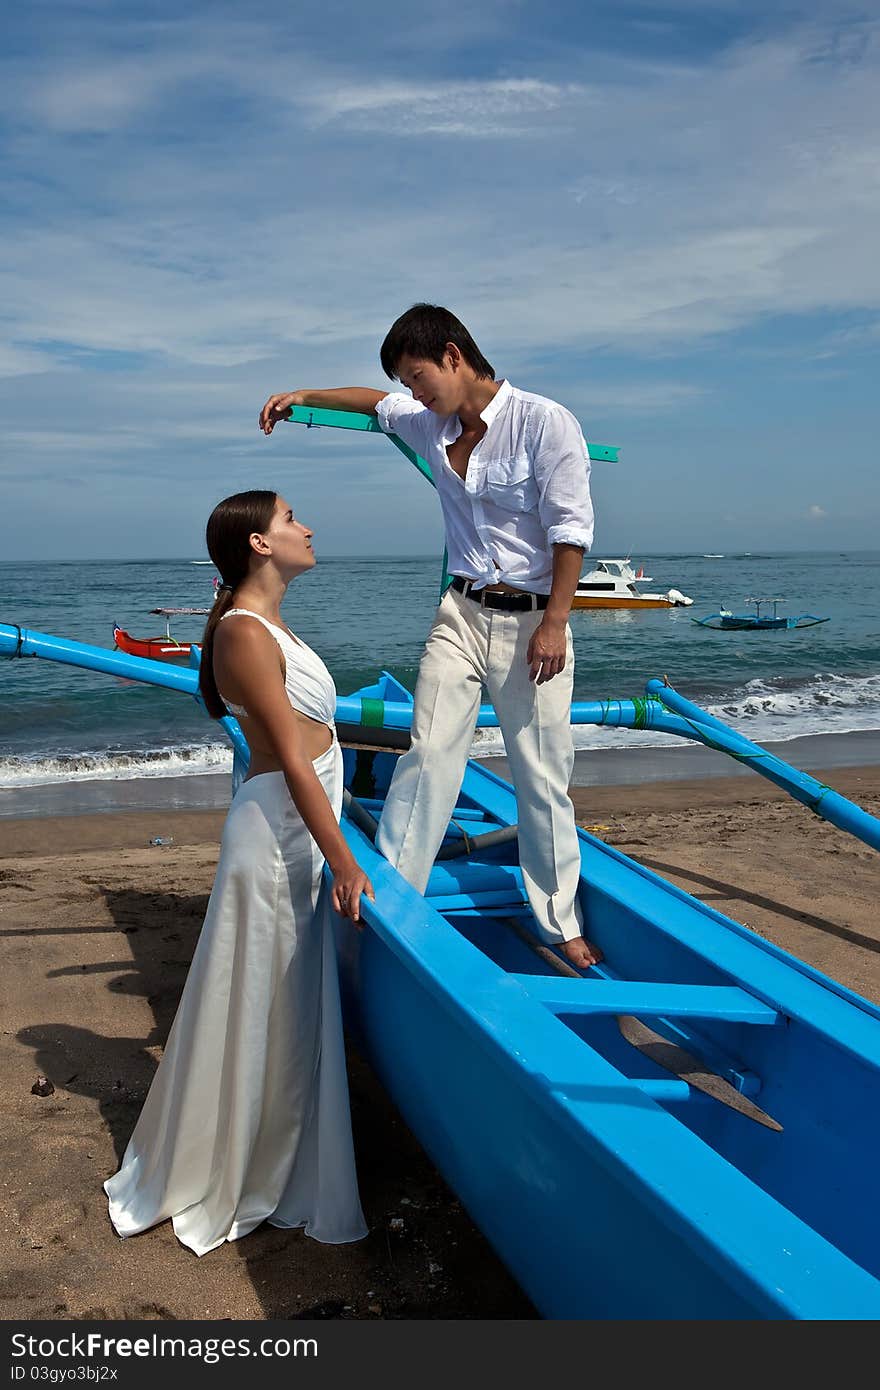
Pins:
x: 614, y: 584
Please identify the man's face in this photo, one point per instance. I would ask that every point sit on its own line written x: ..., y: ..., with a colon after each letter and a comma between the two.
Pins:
x: 438, y: 388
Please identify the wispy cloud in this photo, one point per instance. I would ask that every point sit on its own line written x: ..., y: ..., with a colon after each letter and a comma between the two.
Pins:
x: 25, y: 361
x: 201, y: 210
x: 475, y: 110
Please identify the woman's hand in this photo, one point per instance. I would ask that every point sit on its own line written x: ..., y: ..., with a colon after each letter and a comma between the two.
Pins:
x: 278, y: 408
x: 349, y: 883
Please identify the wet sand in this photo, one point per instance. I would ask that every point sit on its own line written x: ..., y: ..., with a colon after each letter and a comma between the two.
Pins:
x: 98, y: 928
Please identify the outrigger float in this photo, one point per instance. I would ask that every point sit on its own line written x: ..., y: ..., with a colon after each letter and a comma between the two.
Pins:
x: 689, y: 1130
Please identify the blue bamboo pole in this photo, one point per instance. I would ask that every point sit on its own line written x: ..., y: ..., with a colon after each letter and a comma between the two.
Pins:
x: 664, y: 711
x: 351, y: 709
x: 821, y: 799
x: 616, y: 714
x: 18, y: 641
x: 22, y: 641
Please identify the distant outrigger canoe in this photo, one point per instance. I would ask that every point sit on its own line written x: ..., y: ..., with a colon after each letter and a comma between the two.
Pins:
x: 165, y: 648
x: 726, y: 621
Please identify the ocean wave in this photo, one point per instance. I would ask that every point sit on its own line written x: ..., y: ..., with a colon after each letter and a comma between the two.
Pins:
x: 823, y: 703
x: 183, y: 761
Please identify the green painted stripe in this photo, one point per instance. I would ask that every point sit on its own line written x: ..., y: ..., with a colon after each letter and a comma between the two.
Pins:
x: 372, y: 713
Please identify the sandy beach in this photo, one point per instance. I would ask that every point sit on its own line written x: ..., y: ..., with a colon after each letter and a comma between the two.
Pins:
x: 98, y: 929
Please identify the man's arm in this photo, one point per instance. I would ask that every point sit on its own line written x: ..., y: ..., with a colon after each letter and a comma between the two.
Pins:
x: 562, y: 472
x: 355, y: 398
x: 547, y: 649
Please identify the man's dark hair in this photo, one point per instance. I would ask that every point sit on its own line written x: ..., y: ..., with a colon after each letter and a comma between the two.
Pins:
x: 423, y: 331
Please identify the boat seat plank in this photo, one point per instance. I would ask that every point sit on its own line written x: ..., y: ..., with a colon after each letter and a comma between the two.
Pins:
x: 648, y: 998
x: 470, y: 877
x: 500, y: 900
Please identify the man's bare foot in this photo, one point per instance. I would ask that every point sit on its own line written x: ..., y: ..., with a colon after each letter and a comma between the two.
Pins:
x: 581, y: 953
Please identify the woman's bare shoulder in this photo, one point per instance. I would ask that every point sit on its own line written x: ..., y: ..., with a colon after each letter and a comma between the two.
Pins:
x: 242, y: 632
x: 243, y: 648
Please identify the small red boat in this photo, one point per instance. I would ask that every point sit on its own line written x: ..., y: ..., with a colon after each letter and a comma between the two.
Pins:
x: 165, y: 648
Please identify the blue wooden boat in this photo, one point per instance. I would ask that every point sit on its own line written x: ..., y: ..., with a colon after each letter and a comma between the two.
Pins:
x: 689, y: 1130
x: 726, y: 621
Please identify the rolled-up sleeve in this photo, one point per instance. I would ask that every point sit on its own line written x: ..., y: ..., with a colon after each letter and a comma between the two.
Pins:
x: 401, y: 415
x: 561, y: 463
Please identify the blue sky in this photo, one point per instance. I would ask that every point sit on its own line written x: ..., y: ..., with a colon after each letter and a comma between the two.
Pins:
x: 665, y: 216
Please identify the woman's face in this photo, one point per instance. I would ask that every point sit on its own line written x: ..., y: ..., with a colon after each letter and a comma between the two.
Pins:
x: 290, y: 540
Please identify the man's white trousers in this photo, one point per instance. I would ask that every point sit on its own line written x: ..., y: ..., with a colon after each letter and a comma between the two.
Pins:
x: 468, y: 647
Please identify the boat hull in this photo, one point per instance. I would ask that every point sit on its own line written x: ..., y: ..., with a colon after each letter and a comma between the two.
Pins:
x: 598, y: 601
x: 154, y: 648
x: 614, y: 584
x: 745, y: 623
x: 569, y: 1223
x: 609, y: 1188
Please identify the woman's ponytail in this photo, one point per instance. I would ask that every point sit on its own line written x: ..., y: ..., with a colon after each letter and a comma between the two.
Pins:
x: 230, y: 527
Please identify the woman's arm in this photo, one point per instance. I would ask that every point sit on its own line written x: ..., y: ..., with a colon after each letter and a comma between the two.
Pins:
x: 246, y: 662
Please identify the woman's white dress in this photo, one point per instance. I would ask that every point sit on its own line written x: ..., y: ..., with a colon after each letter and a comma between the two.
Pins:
x: 247, y: 1119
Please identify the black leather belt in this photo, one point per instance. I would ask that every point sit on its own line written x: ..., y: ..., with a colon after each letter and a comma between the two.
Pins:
x: 506, y: 603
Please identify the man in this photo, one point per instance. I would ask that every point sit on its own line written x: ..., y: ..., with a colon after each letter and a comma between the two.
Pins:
x: 512, y: 474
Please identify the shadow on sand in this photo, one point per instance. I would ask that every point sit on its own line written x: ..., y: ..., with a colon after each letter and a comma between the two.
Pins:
x: 423, y: 1257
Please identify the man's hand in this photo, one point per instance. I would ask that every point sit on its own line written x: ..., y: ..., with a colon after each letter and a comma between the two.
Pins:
x: 278, y: 408
x: 546, y: 652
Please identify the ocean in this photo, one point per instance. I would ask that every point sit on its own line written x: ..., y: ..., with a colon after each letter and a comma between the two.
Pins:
x: 64, y: 726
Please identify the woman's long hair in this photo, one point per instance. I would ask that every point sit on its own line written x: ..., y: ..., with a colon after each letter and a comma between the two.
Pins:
x: 230, y: 527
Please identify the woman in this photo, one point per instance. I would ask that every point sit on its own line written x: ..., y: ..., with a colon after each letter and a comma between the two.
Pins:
x: 247, y: 1118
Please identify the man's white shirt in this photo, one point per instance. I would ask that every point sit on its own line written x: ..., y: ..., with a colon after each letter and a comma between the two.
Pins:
x: 527, y: 486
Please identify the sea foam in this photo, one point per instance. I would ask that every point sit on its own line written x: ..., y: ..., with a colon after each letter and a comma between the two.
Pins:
x: 184, y: 761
